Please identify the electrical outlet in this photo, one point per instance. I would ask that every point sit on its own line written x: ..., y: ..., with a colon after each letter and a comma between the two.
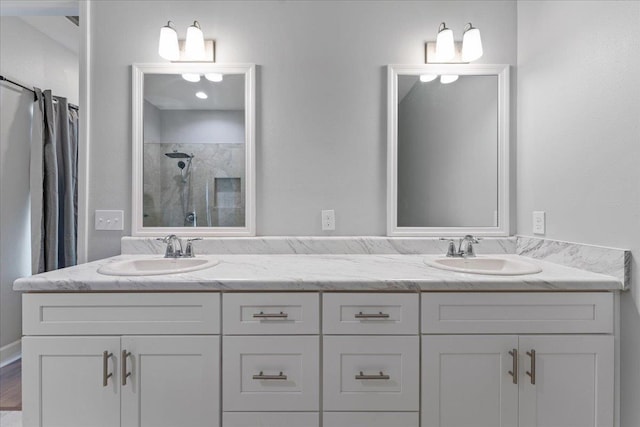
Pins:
x: 109, y: 220
x: 538, y: 222
x: 328, y: 220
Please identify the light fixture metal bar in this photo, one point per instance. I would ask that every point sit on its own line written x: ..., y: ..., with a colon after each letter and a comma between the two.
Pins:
x: 430, y: 54
x: 209, y: 49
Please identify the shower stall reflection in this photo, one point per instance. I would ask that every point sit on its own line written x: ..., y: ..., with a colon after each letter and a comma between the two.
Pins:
x: 194, y: 185
x: 194, y: 153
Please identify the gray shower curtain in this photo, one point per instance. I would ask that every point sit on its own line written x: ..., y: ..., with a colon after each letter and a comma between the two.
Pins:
x: 54, y: 183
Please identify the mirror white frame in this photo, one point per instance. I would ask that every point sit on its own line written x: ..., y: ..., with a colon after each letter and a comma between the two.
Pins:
x: 137, y: 98
x: 503, y: 208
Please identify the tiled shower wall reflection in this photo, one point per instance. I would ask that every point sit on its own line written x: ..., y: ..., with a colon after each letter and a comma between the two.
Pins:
x: 214, y: 188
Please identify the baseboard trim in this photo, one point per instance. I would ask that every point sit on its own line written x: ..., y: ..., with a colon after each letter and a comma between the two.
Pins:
x: 10, y: 353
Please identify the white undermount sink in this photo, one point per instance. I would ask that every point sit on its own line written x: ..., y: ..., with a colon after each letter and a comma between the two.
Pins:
x: 155, y: 266
x: 485, y: 264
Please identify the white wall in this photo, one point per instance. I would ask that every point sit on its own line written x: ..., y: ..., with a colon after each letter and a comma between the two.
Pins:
x: 32, y: 58
x: 321, y: 125
x: 579, y: 140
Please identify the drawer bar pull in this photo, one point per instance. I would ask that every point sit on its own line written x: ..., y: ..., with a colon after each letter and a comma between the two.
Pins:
x: 262, y: 376
x: 263, y: 315
x: 380, y: 376
x: 514, y: 371
x: 532, y: 373
x: 105, y: 368
x: 123, y: 366
x: 379, y: 315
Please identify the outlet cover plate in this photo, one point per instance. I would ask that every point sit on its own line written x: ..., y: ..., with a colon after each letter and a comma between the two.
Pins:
x: 538, y: 222
x: 328, y: 220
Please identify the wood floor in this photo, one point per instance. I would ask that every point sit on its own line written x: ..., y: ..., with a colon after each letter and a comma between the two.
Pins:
x: 10, y: 387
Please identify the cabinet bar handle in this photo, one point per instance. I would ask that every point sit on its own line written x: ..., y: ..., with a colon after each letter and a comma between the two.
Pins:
x: 123, y: 366
x: 262, y: 376
x: 380, y: 376
x: 514, y: 368
x: 532, y: 374
x: 105, y: 368
x: 379, y: 315
x: 263, y: 315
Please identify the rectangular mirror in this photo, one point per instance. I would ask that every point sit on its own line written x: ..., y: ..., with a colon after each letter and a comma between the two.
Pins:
x: 193, y: 149
x: 448, y: 150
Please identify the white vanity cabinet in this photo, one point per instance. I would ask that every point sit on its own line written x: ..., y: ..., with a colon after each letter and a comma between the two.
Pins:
x: 371, y: 359
x: 166, y: 376
x: 513, y: 379
x: 311, y: 359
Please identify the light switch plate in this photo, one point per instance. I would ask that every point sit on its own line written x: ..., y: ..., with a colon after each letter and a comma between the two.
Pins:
x: 538, y: 222
x: 328, y: 220
x: 109, y: 220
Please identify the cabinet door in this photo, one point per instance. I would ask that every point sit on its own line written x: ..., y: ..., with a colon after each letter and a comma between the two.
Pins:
x: 573, y: 384
x: 63, y: 380
x: 174, y: 381
x: 466, y: 381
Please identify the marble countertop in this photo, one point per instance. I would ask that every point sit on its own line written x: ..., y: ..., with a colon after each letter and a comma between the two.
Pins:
x: 346, y: 272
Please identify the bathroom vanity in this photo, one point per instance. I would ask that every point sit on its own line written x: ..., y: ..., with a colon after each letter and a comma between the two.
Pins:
x: 319, y: 340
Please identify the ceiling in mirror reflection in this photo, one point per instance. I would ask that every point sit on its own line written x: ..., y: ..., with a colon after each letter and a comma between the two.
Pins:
x: 172, y: 92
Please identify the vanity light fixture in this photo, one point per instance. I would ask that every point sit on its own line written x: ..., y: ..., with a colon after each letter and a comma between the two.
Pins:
x: 471, y: 43
x: 168, y: 47
x: 194, y: 49
x: 447, y: 51
x: 425, y: 78
x: 191, y: 77
x: 448, y: 78
x: 445, y: 46
x: 201, y: 95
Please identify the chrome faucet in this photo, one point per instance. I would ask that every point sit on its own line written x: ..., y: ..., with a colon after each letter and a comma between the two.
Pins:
x: 465, y: 247
x: 174, y: 247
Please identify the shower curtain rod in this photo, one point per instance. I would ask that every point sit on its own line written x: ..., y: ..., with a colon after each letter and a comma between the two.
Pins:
x: 4, y: 79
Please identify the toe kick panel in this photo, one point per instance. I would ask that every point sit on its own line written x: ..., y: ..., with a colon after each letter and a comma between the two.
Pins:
x: 275, y: 373
x: 371, y: 373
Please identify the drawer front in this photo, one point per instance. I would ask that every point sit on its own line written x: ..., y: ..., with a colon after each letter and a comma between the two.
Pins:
x: 121, y: 313
x: 271, y: 373
x: 271, y: 313
x: 371, y: 373
x: 270, y: 419
x: 364, y: 314
x: 517, y: 313
x: 370, y: 419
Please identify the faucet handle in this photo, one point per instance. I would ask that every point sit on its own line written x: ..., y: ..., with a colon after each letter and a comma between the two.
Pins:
x: 188, y: 251
x: 451, y: 249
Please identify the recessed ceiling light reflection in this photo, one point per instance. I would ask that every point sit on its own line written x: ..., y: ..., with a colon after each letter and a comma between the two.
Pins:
x: 425, y: 78
x: 202, y: 95
x: 213, y: 77
x: 191, y: 77
x: 446, y: 79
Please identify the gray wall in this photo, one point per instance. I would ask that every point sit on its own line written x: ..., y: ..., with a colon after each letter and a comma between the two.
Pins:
x: 579, y: 140
x: 321, y: 130
x: 448, y: 153
x: 32, y: 58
